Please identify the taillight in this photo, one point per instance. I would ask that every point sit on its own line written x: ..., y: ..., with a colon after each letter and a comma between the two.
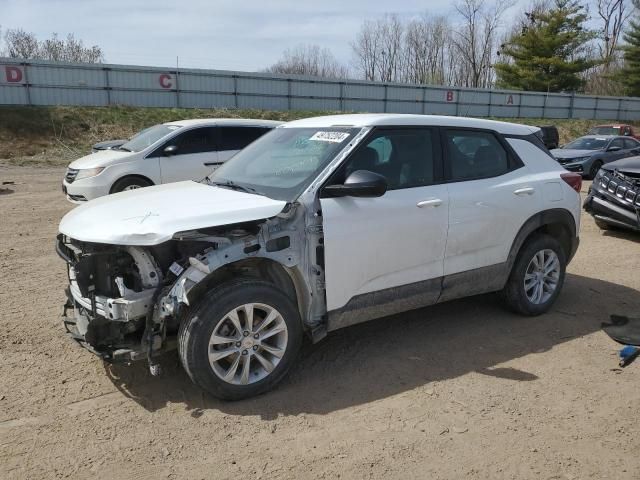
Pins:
x: 574, y: 180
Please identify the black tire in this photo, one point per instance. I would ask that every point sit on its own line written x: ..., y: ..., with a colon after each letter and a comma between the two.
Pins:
x: 200, y: 323
x: 593, y: 171
x: 129, y: 183
x: 514, y: 291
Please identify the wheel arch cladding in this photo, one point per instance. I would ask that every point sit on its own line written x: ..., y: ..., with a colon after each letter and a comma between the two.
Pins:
x: 133, y: 175
x: 558, y: 223
x: 288, y: 280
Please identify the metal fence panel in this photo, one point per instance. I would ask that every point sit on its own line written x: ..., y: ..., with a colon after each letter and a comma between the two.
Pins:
x: 315, y: 89
x: 67, y: 96
x: 57, y: 83
x: 13, y: 94
x: 205, y: 83
x: 206, y: 100
x: 144, y: 99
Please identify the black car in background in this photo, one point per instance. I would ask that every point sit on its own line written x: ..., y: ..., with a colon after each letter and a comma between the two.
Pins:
x: 614, y: 197
x: 549, y: 136
x: 108, y: 145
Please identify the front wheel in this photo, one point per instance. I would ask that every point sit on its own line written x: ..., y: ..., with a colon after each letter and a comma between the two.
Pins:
x: 537, y: 276
x: 593, y: 171
x: 241, y: 339
x: 130, y: 183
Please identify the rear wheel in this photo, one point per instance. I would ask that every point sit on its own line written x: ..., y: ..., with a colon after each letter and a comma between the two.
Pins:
x: 241, y: 339
x: 537, y: 276
x: 130, y: 183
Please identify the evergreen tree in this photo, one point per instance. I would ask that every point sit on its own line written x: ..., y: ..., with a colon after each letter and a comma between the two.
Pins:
x: 548, y: 53
x: 630, y: 74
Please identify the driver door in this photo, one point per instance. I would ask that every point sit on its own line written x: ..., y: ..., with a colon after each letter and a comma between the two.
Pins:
x: 388, y: 250
x: 195, y: 158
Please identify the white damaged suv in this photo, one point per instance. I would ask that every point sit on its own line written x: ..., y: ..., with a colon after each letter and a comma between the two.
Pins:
x: 320, y: 224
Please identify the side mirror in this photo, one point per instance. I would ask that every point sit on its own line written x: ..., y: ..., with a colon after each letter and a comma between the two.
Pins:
x: 613, y: 149
x: 361, y: 183
x: 170, y: 150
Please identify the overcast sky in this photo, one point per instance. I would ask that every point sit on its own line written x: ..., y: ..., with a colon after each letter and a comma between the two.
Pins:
x: 235, y: 35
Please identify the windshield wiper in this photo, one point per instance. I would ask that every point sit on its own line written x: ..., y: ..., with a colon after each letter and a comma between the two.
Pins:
x: 234, y: 186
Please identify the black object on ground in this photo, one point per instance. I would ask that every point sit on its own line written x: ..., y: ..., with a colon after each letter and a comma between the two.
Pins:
x: 623, y: 330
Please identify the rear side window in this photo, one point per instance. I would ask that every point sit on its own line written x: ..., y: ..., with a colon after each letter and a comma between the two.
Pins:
x: 628, y: 143
x: 617, y: 143
x: 236, y: 138
x: 473, y: 154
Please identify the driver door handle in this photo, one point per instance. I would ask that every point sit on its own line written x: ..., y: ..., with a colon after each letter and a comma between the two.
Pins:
x: 211, y: 164
x: 524, y: 191
x: 432, y: 202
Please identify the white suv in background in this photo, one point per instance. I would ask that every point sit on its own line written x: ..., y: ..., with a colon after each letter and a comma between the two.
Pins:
x: 170, y: 152
x: 318, y: 225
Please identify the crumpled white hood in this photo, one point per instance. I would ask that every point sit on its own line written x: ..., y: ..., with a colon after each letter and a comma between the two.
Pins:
x: 150, y: 216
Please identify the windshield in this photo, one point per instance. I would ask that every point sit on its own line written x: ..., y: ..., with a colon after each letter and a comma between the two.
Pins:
x: 587, y: 143
x: 604, y: 131
x: 148, y: 137
x: 282, y: 163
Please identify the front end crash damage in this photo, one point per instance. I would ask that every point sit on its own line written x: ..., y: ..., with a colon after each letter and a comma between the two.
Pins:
x: 125, y: 303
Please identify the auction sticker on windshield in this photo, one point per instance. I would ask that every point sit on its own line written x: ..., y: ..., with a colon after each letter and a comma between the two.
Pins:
x: 336, y: 137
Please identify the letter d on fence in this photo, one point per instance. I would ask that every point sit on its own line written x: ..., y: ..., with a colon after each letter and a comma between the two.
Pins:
x: 13, y: 74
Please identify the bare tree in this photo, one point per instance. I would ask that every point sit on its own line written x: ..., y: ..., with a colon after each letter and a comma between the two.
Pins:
x: 475, y: 40
x: 614, y: 14
x: 426, y: 50
x: 378, y: 50
x: 22, y: 44
x: 309, y: 60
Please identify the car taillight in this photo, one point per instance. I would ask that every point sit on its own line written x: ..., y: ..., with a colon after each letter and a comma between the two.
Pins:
x: 574, y: 180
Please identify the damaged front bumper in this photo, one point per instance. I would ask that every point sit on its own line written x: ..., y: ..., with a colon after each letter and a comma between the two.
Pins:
x: 615, y: 200
x: 116, y: 328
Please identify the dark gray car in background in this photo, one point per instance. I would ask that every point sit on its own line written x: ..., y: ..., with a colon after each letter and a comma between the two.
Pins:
x: 585, y: 155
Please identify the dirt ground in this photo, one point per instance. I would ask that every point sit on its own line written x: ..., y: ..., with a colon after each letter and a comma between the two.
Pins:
x: 459, y: 390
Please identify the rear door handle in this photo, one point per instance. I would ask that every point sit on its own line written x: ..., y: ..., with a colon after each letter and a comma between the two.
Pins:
x: 432, y: 202
x: 524, y: 191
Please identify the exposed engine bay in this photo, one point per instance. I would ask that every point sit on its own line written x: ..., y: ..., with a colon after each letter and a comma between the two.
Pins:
x: 124, y: 303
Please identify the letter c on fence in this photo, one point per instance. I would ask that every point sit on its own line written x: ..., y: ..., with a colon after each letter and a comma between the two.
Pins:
x: 165, y: 80
x: 14, y: 74
x: 449, y: 96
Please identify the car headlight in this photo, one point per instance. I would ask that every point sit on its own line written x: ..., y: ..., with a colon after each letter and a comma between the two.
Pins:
x: 578, y: 160
x: 88, y: 172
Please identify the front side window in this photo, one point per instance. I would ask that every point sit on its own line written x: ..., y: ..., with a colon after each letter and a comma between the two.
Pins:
x: 475, y: 154
x: 617, y: 143
x: 282, y: 163
x: 197, y: 140
x: 405, y: 157
x: 236, y: 138
x: 148, y: 137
